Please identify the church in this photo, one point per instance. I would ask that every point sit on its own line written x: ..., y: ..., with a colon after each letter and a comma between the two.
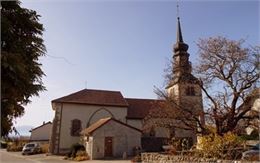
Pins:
x: 109, y: 124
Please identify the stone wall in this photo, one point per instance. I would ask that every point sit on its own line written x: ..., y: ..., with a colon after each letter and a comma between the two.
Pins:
x: 164, y: 158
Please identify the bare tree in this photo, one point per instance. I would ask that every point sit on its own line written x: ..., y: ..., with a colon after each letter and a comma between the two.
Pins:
x: 172, y: 115
x: 227, y: 74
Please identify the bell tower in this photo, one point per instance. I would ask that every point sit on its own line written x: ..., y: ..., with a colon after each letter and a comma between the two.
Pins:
x: 183, y: 86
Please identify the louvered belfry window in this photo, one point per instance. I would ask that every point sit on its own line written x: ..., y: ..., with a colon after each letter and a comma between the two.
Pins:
x: 75, y: 127
x: 190, y: 91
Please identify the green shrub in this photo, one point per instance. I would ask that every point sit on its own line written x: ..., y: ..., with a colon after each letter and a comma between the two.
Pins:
x: 137, y: 159
x: 13, y: 147
x: 74, y: 149
x: 16, y: 145
x: 45, y: 148
x: 227, y: 146
x: 81, y: 156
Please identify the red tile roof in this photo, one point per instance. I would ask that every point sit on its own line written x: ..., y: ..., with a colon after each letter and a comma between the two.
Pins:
x: 139, y: 108
x: 94, y: 97
x: 102, y: 122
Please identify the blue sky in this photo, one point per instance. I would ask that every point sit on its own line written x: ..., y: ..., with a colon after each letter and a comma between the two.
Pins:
x: 125, y: 45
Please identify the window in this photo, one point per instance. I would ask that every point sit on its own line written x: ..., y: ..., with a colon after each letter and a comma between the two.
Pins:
x: 75, y: 127
x: 190, y: 91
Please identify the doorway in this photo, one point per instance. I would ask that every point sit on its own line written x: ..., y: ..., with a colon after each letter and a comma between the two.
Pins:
x: 108, y: 147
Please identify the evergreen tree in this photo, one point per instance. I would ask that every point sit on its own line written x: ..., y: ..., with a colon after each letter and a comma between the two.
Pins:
x: 21, y: 73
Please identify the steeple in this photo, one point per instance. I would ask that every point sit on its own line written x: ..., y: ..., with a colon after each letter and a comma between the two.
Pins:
x: 183, y: 87
x: 180, y: 45
x: 179, y: 34
x: 181, y: 66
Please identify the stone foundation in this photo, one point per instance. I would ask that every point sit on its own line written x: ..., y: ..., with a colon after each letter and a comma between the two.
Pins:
x: 164, y: 158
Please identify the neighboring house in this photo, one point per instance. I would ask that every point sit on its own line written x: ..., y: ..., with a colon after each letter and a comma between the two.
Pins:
x: 41, y: 133
x: 108, y: 120
x: 109, y: 137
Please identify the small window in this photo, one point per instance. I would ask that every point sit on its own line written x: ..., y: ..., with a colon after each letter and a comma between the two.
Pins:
x: 75, y: 127
x: 190, y: 91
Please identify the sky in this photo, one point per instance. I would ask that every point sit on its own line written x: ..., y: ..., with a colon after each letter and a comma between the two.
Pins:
x: 125, y: 45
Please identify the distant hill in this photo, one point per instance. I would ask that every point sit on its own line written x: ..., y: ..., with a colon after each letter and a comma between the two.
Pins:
x: 23, y: 130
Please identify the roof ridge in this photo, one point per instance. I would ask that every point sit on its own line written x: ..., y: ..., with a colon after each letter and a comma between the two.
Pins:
x: 144, y: 99
x: 94, y: 97
x: 49, y: 122
x: 102, y: 90
x: 99, y: 123
x: 67, y: 95
x: 107, y: 118
x: 87, y: 90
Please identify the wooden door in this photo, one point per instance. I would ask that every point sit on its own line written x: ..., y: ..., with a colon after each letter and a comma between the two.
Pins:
x: 108, y: 147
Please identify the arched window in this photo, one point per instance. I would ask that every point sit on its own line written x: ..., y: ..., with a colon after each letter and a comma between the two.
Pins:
x: 75, y: 127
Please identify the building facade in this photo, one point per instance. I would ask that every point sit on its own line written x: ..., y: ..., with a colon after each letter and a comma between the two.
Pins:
x: 41, y: 133
x: 80, y: 110
x: 109, y: 137
x: 83, y: 110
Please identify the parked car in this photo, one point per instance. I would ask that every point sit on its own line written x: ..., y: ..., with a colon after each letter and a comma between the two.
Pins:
x: 31, y: 148
x: 253, y: 154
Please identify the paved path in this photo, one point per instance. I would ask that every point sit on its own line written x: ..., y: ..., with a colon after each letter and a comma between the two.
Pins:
x: 16, y: 157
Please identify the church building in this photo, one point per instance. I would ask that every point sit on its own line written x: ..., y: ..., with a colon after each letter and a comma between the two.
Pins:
x: 109, y: 124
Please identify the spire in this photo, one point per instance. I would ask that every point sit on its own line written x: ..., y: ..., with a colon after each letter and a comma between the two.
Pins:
x: 180, y: 45
x: 179, y: 34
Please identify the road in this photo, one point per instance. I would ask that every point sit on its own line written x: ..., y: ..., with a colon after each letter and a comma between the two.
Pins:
x: 16, y: 157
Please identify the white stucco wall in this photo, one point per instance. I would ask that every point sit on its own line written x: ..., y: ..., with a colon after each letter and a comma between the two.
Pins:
x: 174, y: 90
x: 83, y: 113
x: 124, y: 139
x: 41, y: 133
x: 89, y: 145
